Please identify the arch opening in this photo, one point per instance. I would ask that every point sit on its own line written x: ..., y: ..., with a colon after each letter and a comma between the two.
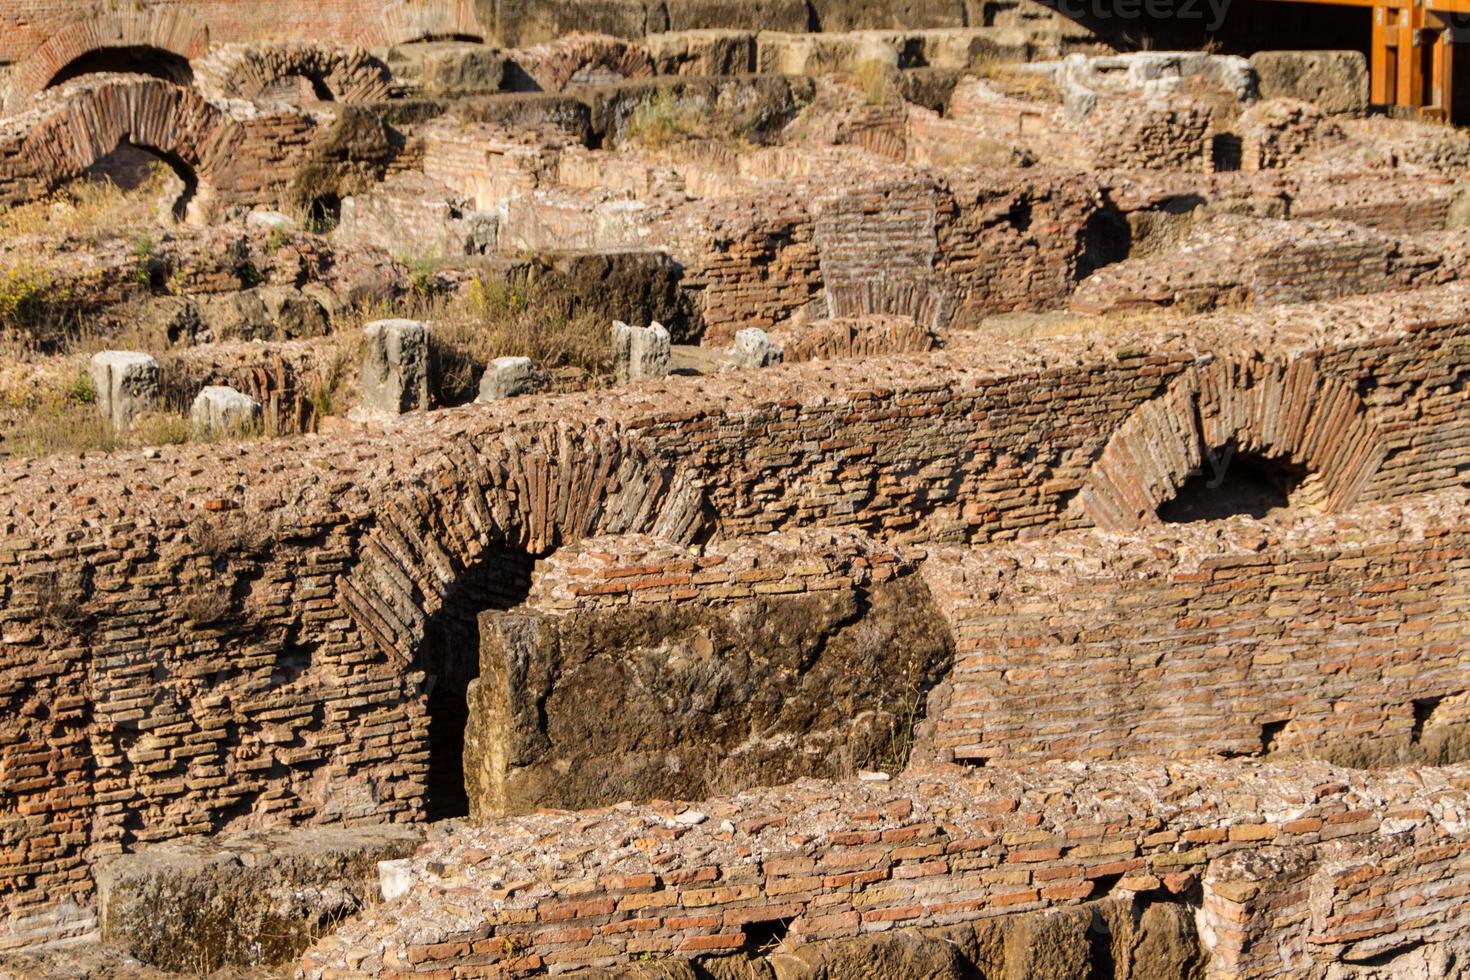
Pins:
x: 297, y: 89
x: 449, y: 657
x: 1232, y: 483
x: 144, y: 180
x: 128, y: 60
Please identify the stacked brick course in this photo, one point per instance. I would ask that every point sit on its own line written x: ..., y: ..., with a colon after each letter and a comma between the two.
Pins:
x: 839, y: 860
x: 1331, y: 638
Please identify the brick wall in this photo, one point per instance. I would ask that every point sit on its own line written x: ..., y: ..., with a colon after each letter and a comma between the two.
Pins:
x: 1334, y: 638
x: 929, y: 852
x: 1233, y: 261
x: 275, y: 596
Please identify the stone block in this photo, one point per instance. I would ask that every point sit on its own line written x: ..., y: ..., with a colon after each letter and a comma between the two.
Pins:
x: 127, y: 384
x: 465, y: 70
x: 222, y: 411
x: 753, y: 349
x: 270, y: 221
x: 1335, y: 81
x: 640, y: 353
x: 395, y: 367
x: 506, y: 377
x: 251, y: 899
x: 568, y: 710
x: 703, y: 52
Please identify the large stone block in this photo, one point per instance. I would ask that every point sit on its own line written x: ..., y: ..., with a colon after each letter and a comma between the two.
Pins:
x: 222, y: 411
x: 198, y: 904
x: 753, y: 349
x: 127, y: 384
x: 1336, y: 81
x: 506, y: 377
x: 683, y: 701
x: 395, y: 367
x: 640, y: 353
x: 704, y: 52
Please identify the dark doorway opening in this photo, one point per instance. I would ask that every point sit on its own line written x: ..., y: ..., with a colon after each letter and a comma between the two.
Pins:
x: 128, y: 60
x: 1231, y: 484
x: 450, y: 658
x: 323, y: 214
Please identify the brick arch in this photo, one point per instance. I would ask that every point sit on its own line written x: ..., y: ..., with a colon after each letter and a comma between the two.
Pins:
x: 407, y: 21
x: 523, y: 490
x: 168, y: 29
x: 243, y: 71
x: 83, y: 121
x: 1288, y: 411
x: 555, y: 66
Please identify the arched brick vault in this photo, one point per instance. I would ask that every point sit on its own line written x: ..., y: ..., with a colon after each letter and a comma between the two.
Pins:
x: 555, y: 66
x: 243, y: 71
x: 417, y: 20
x: 172, y: 29
x: 527, y: 490
x: 1281, y: 410
x: 83, y: 121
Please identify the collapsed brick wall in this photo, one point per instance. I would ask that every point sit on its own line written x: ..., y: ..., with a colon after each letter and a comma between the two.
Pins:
x: 1332, y: 639
x: 174, y: 677
x: 234, y: 162
x: 932, y: 851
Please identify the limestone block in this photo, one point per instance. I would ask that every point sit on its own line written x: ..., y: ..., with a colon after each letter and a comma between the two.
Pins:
x: 394, y: 878
x: 249, y: 899
x: 753, y: 349
x: 1335, y: 81
x: 395, y: 366
x: 640, y: 353
x: 222, y: 411
x: 567, y: 711
x: 507, y: 377
x: 702, y: 52
x: 126, y: 383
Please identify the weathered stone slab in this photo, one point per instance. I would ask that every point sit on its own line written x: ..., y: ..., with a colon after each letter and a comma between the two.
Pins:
x: 395, y: 367
x: 219, y: 410
x: 261, y: 897
x: 640, y: 353
x: 126, y: 383
x: 656, y: 700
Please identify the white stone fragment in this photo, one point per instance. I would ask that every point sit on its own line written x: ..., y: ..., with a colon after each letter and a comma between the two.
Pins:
x: 222, y: 411
x: 506, y: 377
x: 126, y: 383
x: 640, y: 353
x: 753, y: 349
x: 395, y: 367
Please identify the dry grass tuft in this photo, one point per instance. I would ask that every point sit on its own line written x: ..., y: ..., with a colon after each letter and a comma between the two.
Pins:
x: 94, y: 210
x: 878, y: 81
x: 665, y: 120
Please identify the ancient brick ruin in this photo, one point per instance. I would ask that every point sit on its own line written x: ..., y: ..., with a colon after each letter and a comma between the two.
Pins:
x: 800, y: 490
